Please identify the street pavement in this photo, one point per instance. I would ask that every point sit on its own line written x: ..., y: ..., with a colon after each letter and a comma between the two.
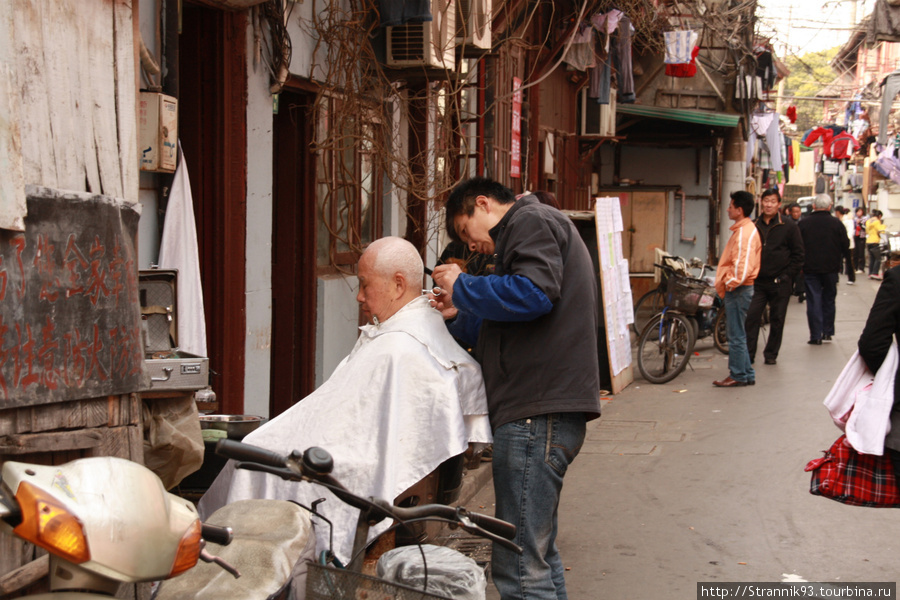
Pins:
x: 683, y: 482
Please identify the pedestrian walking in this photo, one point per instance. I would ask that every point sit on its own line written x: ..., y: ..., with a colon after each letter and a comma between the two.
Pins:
x: 781, y: 259
x: 844, y: 215
x: 541, y: 303
x: 874, y: 229
x: 737, y: 270
x: 859, y: 240
x: 826, y: 245
x: 882, y: 328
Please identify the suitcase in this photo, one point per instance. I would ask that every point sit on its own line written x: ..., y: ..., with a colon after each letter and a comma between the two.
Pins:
x: 169, y: 367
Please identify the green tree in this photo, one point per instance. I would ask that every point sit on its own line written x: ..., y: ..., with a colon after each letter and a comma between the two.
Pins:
x: 810, y: 74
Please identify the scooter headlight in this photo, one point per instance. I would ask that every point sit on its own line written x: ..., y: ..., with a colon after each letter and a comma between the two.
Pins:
x: 46, y: 523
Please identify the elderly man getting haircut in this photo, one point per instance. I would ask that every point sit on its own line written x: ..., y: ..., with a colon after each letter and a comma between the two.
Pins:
x: 407, y: 398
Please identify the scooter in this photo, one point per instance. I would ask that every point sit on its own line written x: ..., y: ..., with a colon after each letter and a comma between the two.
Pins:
x: 105, y: 521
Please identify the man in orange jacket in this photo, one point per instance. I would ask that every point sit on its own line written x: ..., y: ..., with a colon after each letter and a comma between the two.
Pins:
x: 737, y: 270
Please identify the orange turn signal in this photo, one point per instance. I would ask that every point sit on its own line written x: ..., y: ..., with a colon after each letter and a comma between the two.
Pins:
x: 48, y: 524
x: 188, y: 549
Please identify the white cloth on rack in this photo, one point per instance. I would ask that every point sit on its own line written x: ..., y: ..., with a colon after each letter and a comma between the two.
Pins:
x: 178, y: 250
x: 406, y: 399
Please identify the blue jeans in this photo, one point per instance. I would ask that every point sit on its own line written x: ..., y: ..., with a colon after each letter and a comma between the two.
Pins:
x: 737, y: 302
x: 530, y: 460
x: 821, y: 290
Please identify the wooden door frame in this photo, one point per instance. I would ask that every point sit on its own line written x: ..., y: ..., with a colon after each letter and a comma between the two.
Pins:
x: 219, y: 159
x: 296, y: 353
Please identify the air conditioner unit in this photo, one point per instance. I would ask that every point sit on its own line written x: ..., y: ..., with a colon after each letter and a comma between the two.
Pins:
x: 427, y: 44
x: 473, y: 26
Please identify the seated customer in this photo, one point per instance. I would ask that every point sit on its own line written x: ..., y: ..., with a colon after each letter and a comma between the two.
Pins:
x: 405, y: 399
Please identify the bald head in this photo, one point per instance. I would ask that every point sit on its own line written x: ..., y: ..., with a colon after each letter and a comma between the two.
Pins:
x: 390, y: 276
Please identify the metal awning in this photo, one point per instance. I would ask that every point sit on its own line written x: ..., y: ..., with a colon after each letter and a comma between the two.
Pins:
x: 701, y: 117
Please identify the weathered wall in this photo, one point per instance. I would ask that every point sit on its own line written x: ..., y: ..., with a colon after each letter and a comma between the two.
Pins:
x: 67, y: 100
x: 257, y: 344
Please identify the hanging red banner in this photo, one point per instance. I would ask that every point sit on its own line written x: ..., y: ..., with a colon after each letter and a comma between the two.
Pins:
x: 515, y: 147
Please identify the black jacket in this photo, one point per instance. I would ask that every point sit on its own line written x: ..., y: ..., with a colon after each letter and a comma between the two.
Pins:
x: 825, y: 242
x: 782, y: 248
x: 549, y: 364
x: 882, y: 326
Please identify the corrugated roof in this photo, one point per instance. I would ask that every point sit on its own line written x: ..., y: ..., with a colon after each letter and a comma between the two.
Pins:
x: 687, y: 115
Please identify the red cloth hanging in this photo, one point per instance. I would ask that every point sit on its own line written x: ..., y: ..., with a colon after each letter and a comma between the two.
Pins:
x: 684, y: 69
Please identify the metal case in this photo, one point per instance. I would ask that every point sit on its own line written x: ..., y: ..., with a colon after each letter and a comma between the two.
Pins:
x: 169, y: 367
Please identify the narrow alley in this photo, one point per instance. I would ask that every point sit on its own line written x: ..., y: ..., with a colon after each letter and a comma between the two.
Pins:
x: 684, y: 483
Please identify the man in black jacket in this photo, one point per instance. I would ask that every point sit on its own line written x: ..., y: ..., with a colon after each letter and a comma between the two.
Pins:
x: 826, y: 245
x: 780, y: 264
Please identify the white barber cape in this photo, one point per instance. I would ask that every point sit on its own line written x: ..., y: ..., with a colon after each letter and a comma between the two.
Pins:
x: 405, y: 399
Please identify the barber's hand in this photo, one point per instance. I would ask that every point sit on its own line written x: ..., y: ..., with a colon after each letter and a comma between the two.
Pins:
x: 445, y: 276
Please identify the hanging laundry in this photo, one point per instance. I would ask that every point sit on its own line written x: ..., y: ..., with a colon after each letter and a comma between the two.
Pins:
x: 884, y: 23
x: 621, y: 55
x: 580, y: 55
x: 688, y: 69
x: 843, y: 145
x: 679, y: 46
x: 792, y: 114
x: 765, y: 69
x: 606, y: 23
x: 891, y: 84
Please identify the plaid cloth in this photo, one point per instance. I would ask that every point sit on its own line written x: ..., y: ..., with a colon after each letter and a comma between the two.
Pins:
x: 849, y: 477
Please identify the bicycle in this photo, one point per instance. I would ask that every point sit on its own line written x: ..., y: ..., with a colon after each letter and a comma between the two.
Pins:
x: 652, y: 302
x: 666, y: 342
x: 327, y: 578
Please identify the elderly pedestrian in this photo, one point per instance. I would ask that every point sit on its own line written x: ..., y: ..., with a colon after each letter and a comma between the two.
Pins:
x: 826, y: 245
x: 737, y: 270
x: 541, y: 303
x: 781, y: 259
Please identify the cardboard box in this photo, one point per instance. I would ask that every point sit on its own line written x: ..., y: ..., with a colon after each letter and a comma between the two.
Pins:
x: 158, y: 132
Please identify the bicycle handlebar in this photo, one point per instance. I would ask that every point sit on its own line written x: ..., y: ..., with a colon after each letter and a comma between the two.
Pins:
x: 315, y: 465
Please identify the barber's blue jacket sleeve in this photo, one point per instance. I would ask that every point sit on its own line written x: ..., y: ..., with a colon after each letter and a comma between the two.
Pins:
x: 500, y: 298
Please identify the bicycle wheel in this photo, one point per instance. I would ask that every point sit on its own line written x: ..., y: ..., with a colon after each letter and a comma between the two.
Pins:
x: 649, y: 304
x: 720, y: 332
x: 665, y: 347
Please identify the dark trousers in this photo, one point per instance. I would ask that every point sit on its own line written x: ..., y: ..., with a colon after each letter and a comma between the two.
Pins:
x: 821, y: 290
x: 874, y: 258
x: 777, y: 296
x: 859, y: 253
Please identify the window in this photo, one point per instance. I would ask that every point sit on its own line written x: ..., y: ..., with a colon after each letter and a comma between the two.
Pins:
x: 348, y: 182
x: 470, y: 121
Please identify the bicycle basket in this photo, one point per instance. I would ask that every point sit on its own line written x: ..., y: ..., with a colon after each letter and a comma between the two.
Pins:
x: 328, y: 583
x: 686, y: 294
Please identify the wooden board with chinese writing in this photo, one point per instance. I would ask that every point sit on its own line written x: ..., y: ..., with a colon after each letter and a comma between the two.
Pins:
x: 70, y: 323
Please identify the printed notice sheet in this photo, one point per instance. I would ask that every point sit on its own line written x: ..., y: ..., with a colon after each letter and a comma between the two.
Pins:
x: 617, y: 301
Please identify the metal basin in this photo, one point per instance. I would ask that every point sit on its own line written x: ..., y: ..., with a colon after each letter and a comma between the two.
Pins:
x: 235, y: 426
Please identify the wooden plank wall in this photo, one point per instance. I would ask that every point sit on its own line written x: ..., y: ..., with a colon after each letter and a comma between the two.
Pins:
x: 70, y: 89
